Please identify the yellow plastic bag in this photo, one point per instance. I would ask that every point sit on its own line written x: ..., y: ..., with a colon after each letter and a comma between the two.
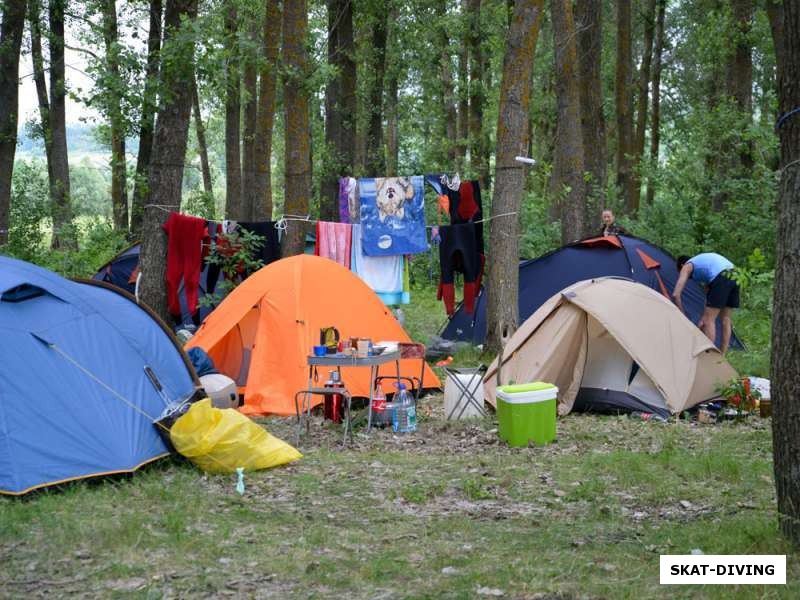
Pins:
x: 219, y: 441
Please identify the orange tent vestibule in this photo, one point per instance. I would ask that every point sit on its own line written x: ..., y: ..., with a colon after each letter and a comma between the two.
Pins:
x: 262, y: 333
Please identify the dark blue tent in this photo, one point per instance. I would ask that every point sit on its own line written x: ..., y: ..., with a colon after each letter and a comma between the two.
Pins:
x: 620, y: 256
x: 76, y: 399
x: 121, y: 271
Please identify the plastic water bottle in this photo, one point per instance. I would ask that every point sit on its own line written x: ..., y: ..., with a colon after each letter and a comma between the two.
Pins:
x: 379, y: 410
x: 411, y: 412
x: 404, y: 416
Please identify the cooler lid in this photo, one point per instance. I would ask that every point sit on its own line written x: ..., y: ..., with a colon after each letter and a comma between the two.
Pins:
x: 519, y: 388
x: 527, y: 393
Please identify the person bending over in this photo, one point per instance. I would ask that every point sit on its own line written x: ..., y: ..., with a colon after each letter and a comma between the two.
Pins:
x: 715, y: 273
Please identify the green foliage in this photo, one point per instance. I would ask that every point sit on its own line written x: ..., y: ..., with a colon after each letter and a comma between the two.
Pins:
x: 737, y: 393
x: 199, y: 204
x: 29, y: 234
x: 539, y: 234
x: 234, y: 257
x: 30, y: 206
x: 753, y: 322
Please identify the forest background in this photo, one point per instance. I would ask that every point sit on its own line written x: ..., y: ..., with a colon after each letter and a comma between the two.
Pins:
x: 672, y: 105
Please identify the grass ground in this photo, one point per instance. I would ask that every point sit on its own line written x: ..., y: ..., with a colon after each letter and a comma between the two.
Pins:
x: 445, y: 512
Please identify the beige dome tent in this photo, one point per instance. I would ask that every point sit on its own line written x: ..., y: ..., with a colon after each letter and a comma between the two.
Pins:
x: 613, y: 344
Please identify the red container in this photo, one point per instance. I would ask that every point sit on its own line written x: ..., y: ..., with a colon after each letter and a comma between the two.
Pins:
x: 333, y: 406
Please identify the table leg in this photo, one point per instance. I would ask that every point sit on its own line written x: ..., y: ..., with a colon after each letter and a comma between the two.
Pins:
x: 307, y: 399
x: 372, y: 374
x: 348, y: 423
x: 397, y: 369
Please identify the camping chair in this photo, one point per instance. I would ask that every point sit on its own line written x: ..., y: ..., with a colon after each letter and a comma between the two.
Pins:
x: 466, y: 392
x: 409, y: 350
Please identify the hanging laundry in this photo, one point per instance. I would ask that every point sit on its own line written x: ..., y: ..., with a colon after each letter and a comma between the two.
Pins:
x: 270, y: 250
x: 458, y: 252
x: 349, y: 206
x: 184, y: 260
x: 333, y: 241
x: 435, y: 181
x: 213, y: 271
x: 465, y: 207
x: 384, y: 274
x: 393, y: 215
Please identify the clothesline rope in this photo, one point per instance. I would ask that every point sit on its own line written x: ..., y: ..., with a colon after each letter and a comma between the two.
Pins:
x: 167, y: 208
x: 282, y: 225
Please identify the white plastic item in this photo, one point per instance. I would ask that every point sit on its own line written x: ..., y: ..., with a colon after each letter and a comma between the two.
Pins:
x: 761, y: 385
x: 529, y: 397
x: 454, y: 401
x: 221, y: 389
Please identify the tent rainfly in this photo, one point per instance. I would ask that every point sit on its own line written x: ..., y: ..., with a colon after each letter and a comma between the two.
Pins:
x: 592, y: 258
x: 262, y: 333
x: 76, y: 394
x: 613, y: 345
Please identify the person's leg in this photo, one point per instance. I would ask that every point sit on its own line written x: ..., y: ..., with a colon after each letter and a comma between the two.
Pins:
x: 710, y: 315
x: 727, y: 327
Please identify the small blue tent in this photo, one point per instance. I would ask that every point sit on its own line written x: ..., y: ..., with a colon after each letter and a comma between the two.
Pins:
x: 611, y: 256
x: 75, y: 396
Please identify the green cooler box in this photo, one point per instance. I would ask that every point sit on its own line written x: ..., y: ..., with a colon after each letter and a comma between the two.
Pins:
x: 527, y: 412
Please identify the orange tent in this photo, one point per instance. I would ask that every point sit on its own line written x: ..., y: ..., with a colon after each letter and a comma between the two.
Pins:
x: 261, y: 334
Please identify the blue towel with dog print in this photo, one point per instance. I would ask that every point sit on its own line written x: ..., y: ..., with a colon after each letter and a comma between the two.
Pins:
x: 393, y: 215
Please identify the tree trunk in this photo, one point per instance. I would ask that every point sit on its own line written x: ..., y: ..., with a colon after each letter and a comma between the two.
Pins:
x: 463, y: 100
x: 449, y: 111
x: 169, y: 151
x: 392, y: 142
x: 569, y: 142
x: 624, y: 106
x: 297, y: 160
x: 200, y: 131
x: 775, y: 15
x: 233, y: 164
x: 10, y: 43
x: 329, y: 192
x: 512, y: 140
x: 249, y: 199
x: 347, y: 89
x: 589, y: 22
x: 147, y: 118
x: 740, y: 80
x: 39, y: 78
x: 785, y: 367
x: 271, y: 39
x: 63, y: 233
x: 375, y: 159
x: 655, y: 117
x: 478, y: 158
x: 642, y: 96
x: 119, y: 185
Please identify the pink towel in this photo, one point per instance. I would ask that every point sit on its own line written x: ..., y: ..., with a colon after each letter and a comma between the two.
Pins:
x: 333, y: 241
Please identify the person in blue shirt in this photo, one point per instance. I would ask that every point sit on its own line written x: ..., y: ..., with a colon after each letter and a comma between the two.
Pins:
x: 714, y: 272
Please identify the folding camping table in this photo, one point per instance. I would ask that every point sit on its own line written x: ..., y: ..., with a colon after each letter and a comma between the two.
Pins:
x: 338, y: 361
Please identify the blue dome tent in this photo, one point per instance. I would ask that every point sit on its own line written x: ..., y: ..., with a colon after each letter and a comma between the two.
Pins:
x: 611, y: 256
x: 76, y: 395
